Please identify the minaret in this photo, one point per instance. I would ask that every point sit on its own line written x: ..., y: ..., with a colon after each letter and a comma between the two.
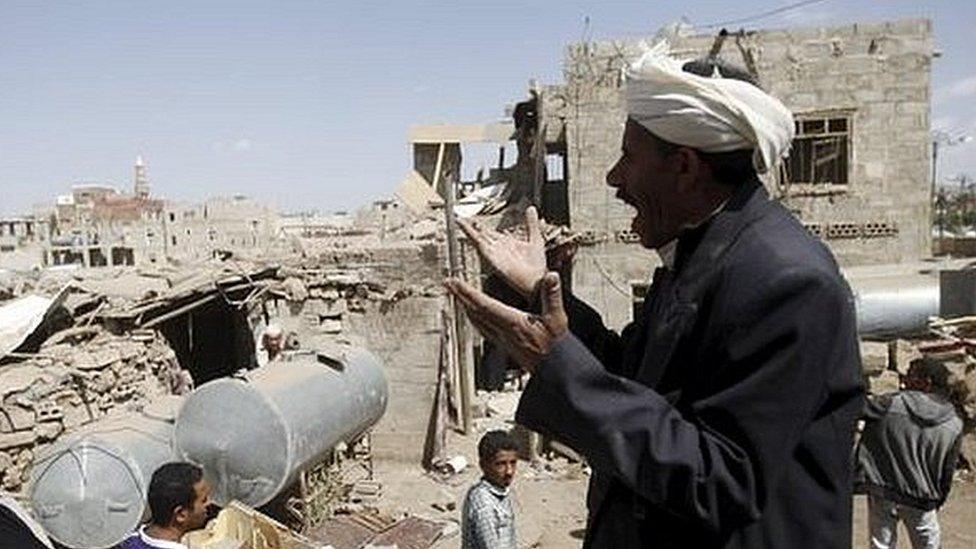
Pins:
x: 141, y: 179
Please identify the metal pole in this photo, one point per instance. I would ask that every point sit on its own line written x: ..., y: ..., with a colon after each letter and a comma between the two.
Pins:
x: 539, y: 177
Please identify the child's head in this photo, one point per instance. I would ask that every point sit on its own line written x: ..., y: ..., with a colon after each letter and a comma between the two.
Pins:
x: 498, y: 456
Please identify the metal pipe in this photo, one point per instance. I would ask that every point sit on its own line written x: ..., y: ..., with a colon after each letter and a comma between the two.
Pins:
x: 896, y: 307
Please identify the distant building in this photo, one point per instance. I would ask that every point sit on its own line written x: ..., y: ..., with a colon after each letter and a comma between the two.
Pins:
x: 218, y: 225
x: 18, y: 232
x: 98, y: 226
x: 140, y: 179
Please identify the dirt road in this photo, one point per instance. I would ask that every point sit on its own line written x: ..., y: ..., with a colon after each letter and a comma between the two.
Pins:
x: 550, y: 505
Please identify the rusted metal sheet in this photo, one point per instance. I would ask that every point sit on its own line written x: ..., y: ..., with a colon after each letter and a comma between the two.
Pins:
x: 409, y: 533
x: 351, y: 531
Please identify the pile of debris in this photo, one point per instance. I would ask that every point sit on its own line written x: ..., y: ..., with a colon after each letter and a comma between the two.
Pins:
x: 74, y: 379
x: 110, y: 338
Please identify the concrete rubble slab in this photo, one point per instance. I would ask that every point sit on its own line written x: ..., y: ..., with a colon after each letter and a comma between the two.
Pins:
x: 885, y: 382
x: 901, y: 355
x: 500, y: 133
x: 21, y: 317
x: 417, y: 194
x: 409, y: 533
x: 874, y: 357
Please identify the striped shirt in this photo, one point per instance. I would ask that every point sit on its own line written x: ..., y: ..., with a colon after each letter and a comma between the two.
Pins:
x: 487, y: 519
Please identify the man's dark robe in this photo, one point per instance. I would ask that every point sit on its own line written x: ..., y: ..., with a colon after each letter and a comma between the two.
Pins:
x: 724, y: 416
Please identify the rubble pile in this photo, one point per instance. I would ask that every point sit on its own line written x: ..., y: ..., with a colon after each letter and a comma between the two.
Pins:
x: 100, y: 345
x: 75, y: 378
x: 12, y: 285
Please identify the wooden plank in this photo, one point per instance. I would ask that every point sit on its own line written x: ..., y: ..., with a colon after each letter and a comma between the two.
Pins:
x: 462, y: 133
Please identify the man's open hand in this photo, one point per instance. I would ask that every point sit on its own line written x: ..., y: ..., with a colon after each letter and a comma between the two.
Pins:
x: 525, y: 336
x: 522, y: 263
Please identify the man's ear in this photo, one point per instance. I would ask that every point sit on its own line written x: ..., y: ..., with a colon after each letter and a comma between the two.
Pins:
x: 688, y: 167
x: 180, y: 514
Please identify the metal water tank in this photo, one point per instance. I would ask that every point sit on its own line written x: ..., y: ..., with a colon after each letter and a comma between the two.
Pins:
x: 88, y: 489
x: 896, y: 307
x: 253, y: 434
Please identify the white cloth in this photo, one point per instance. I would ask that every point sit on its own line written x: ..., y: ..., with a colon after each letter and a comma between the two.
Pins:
x: 159, y: 543
x: 705, y: 113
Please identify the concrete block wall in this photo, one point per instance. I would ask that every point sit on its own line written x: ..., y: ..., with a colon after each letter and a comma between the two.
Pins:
x: 406, y: 338
x: 403, y: 330
x: 604, y: 275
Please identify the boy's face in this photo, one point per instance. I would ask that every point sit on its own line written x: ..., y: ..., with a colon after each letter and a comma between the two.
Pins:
x: 500, y: 470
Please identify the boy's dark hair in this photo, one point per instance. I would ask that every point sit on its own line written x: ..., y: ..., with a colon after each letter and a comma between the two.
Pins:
x: 493, y: 442
x: 171, y: 487
x: 733, y: 167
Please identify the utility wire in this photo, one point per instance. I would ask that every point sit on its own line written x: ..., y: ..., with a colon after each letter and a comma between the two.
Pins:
x: 763, y: 15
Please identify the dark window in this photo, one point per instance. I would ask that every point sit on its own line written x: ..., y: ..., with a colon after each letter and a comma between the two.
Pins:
x: 821, y: 150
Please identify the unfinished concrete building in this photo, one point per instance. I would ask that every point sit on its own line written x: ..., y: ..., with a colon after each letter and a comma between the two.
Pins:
x: 221, y: 225
x: 857, y: 175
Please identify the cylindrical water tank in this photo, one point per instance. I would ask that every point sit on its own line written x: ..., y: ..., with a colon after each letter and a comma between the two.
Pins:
x: 254, y: 433
x: 88, y: 490
x: 897, y: 307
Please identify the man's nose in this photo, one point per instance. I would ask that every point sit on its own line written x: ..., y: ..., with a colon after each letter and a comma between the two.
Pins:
x: 613, y: 179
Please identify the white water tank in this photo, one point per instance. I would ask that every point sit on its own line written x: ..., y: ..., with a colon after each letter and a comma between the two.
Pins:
x: 254, y: 433
x: 88, y: 490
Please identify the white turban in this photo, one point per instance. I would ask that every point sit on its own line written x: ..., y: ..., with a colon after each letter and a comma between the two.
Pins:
x: 704, y: 113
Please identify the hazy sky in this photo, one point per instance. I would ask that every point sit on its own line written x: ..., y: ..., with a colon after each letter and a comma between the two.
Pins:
x: 307, y: 104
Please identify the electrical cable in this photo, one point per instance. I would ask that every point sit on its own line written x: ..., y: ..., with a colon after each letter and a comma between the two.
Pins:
x: 763, y: 15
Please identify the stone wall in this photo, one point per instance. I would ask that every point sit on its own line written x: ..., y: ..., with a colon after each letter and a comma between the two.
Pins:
x: 957, y: 246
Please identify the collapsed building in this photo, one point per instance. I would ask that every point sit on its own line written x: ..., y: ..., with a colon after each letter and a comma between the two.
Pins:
x: 111, y: 341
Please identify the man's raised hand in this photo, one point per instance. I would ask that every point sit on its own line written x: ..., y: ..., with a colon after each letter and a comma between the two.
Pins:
x: 521, y: 263
x: 526, y: 337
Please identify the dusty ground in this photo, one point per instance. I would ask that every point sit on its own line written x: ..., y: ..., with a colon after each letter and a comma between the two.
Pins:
x: 550, y: 496
x: 551, y: 512
x: 957, y: 519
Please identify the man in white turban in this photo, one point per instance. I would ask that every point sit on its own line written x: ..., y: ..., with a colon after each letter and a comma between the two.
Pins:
x: 724, y: 415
